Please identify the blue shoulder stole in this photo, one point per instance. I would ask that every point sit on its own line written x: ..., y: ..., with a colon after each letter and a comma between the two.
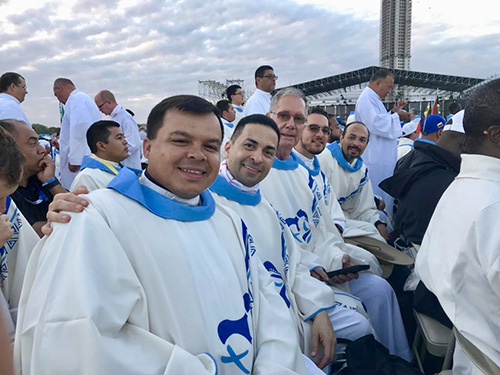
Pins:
x: 127, y: 184
x: 336, y: 151
x: 222, y: 187
x: 90, y: 162
x: 286, y: 165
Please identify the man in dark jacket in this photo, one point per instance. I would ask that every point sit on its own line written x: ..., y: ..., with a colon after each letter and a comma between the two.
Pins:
x: 419, y: 180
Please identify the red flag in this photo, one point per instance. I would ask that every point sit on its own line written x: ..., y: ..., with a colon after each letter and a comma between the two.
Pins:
x: 435, y: 107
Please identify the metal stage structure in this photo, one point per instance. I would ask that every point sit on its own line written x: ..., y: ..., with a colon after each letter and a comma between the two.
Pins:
x: 418, y: 88
x: 213, y: 91
x: 418, y: 81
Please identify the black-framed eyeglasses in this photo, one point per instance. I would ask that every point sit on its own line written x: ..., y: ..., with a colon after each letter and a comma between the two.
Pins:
x: 104, y: 102
x: 242, y: 93
x: 316, y: 128
x: 270, y: 76
x: 285, y: 116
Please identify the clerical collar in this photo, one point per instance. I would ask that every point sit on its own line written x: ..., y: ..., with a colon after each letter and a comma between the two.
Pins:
x: 312, y: 165
x: 144, y: 192
x: 336, y: 151
x: 151, y: 183
x: 228, y: 176
x: 286, y: 165
x: 95, y: 162
x: 224, y: 188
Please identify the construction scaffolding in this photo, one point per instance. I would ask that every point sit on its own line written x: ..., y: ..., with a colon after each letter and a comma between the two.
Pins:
x: 213, y: 91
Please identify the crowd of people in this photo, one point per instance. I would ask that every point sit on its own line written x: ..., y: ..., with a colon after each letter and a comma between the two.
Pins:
x: 204, y: 243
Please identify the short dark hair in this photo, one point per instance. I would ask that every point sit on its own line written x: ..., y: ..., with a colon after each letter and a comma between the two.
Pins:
x: 223, y: 105
x: 11, y: 159
x: 231, y: 90
x: 63, y: 82
x: 319, y: 111
x: 454, y: 108
x: 99, y: 132
x: 481, y: 112
x: 255, y: 119
x: 261, y: 70
x: 9, y: 78
x: 182, y: 103
x: 344, y: 132
x: 381, y: 74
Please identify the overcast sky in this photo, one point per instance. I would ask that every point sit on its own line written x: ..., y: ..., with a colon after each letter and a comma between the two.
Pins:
x: 146, y: 50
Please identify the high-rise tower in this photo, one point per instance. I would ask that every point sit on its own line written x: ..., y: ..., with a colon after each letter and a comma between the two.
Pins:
x: 395, y: 34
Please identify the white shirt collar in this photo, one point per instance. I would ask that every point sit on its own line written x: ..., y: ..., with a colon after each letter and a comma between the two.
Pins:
x: 263, y: 93
x: 115, y: 110
x: 150, y: 184
x: 373, y: 93
x: 305, y: 159
x: 9, y: 97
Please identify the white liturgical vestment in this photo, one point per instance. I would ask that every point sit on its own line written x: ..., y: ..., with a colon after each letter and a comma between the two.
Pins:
x: 139, y: 283
x: 353, y: 190
x: 80, y: 112
x: 459, y: 260
x: 14, y: 255
x: 380, y: 155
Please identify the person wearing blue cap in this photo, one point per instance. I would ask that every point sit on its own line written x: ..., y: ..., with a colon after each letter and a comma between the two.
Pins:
x: 432, y: 129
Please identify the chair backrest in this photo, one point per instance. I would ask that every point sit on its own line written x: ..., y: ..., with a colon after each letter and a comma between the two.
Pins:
x: 479, y: 359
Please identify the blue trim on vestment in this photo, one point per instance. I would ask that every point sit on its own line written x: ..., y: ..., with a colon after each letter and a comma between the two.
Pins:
x: 336, y: 151
x: 127, y: 184
x: 90, y: 162
x: 213, y: 359
x: 8, y: 199
x: 316, y: 168
x: 286, y: 165
x: 363, y: 181
x: 222, y: 187
x: 317, y: 312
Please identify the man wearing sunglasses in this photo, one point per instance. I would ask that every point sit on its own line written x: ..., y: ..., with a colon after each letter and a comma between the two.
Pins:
x: 265, y: 81
x: 313, y: 141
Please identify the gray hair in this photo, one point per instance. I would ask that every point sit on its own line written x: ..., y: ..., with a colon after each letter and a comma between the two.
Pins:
x: 288, y: 91
x: 414, y: 111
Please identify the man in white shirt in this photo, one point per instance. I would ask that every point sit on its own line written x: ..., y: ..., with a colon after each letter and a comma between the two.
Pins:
x: 13, y: 90
x: 79, y: 113
x: 459, y: 260
x: 106, y: 102
x: 153, y: 276
x: 265, y: 82
x: 385, y: 128
x: 109, y: 149
x: 236, y: 96
x: 228, y: 115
